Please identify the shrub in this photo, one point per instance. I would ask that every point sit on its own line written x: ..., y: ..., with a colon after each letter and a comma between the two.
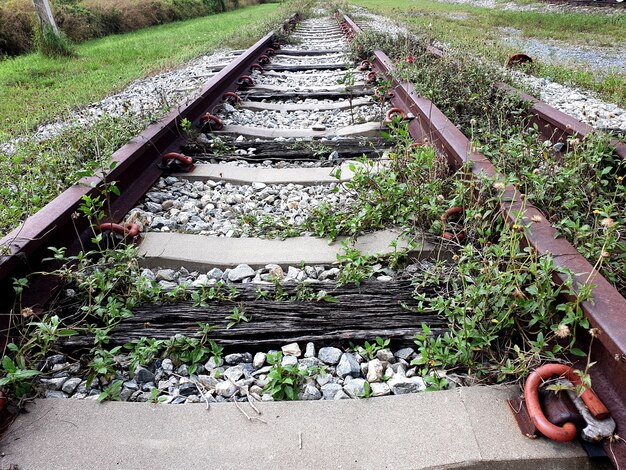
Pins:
x: 52, y: 45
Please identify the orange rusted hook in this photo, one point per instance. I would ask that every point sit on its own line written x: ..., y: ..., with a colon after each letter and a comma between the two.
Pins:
x: 127, y: 230
x: 245, y: 81
x: 365, y: 65
x: 567, y: 432
x: 393, y: 112
x: 257, y: 67
x: 184, y: 164
x: 213, y: 123
x: 444, y: 219
x: 231, y: 97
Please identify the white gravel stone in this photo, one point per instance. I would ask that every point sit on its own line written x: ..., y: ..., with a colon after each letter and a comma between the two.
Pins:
x: 354, y: 388
x: 402, y: 385
x: 348, y: 365
x: 329, y: 355
x: 375, y: 371
x: 310, y: 392
x: 330, y: 390
x: 292, y: 349
x: 240, y: 272
x: 259, y: 360
x: 405, y: 353
x: 379, y: 389
x: 226, y: 389
x: 70, y: 385
x: 310, y: 350
x: 289, y: 361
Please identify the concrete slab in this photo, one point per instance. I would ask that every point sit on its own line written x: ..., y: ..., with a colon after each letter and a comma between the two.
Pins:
x: 419, y: 431
x: 342, y: 104
x: 310, y: 52
x: 200, y: 252
x: 281, y: 88
x: 300, y: 73
x: 368, y: 129
x: 247, y: 175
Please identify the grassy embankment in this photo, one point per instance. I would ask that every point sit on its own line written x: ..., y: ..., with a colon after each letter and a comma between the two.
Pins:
x: 478, y: 30
x: 35, y: 89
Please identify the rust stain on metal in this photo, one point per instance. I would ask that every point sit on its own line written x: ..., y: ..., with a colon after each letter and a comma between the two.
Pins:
x: 519, y: 59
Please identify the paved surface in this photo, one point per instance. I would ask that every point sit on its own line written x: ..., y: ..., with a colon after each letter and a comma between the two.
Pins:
x: 200, y: 252
x: 468, y: 428
x: 247, y: 175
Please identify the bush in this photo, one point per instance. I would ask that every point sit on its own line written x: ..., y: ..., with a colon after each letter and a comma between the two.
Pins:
x: 53, y: 45
x: 16, y: 30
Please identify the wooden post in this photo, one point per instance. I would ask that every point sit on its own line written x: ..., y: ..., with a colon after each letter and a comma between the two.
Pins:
x: 45, y: 16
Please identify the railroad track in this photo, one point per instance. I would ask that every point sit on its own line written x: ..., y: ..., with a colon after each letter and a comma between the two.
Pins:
x: 265, y: 139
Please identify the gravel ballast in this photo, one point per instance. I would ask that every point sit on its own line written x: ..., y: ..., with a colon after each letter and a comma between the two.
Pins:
x: 333, y: 374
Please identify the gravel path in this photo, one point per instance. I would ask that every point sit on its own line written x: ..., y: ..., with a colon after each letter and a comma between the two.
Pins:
x: 539, y: 7
x: 599, y: 59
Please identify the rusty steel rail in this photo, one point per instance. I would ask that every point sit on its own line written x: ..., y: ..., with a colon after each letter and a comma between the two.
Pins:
x: 556, y: 125
x: 606, y: 311
x: 553, y: 124
x: 135, y: 173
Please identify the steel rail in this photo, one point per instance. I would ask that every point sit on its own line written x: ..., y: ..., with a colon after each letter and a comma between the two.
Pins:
x: 136, y: 171
x: 553, y: 124
x: 606, y: 311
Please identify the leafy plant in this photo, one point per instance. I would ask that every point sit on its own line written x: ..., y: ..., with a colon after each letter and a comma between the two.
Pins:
x: 284, y: 381
x: 16, y: 375
x: 503, y: 308
x: 348, y: 80
x: 236, y: 317
x: 54, y: 45
x: 186, y: 125
x: 369, y: 350
x: 102, y: 364
x: 111, y: 392
x: 367, y: 391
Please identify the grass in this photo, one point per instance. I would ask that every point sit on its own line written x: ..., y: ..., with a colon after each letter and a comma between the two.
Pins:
x: 478, y: 30
x: 35, y: 89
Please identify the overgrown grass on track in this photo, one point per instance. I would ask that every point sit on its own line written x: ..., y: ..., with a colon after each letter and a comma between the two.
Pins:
x: 35, y: 89
x: 478, y: 30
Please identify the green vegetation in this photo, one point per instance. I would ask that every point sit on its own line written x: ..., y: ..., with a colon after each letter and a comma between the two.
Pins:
x: 36, y: 89
x: 504, y: 311
x: 51, y: 45
x: 582, y: 193
x: 369, y: 350
x: 36, y: 172
x: 284, y: 380
x: 478, y: 30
